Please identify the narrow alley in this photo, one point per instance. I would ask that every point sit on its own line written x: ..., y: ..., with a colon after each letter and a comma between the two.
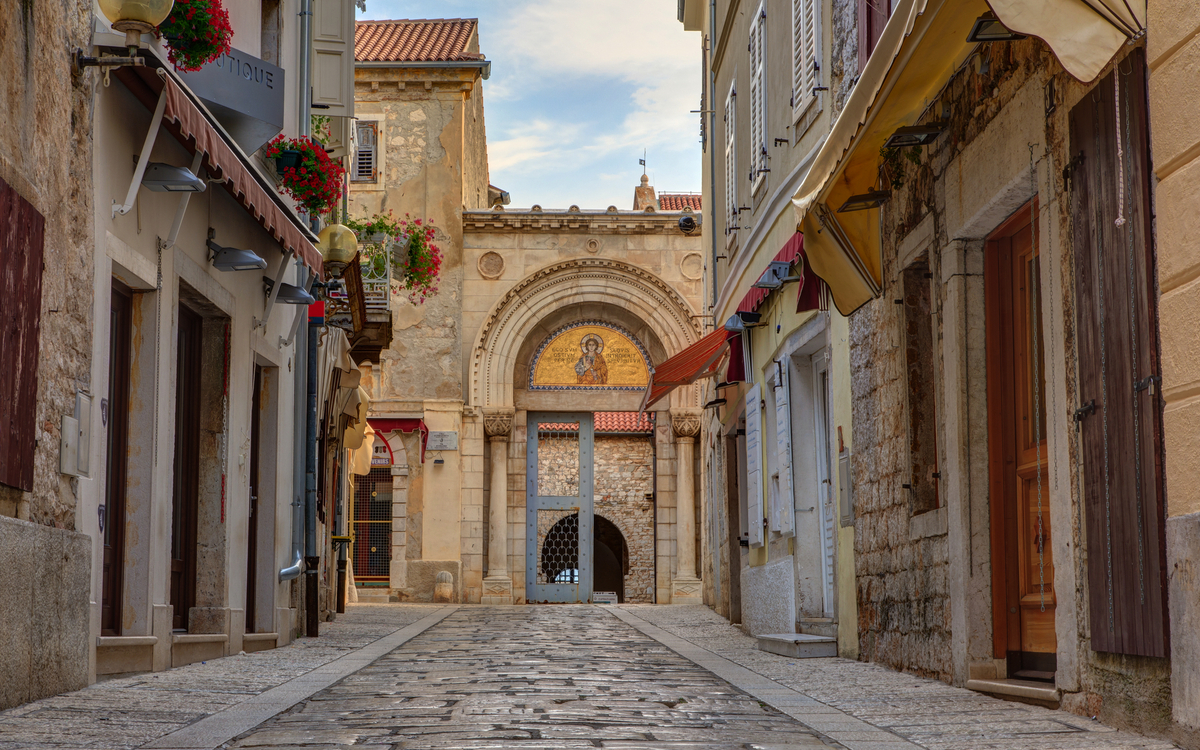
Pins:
x: 638, y: 676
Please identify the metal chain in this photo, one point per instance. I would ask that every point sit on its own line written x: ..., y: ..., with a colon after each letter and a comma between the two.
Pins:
x: 1137, y: 438
x: 225, y: 424
x: 1099, y: 225
x: 1037, y: 387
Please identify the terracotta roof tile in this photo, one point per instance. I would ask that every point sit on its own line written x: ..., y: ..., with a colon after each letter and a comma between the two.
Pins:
x: 430, y: 40
x: 610, y: 421
x: 678, y: 201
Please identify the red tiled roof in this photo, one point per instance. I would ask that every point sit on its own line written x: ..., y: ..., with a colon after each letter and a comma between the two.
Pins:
x: 678, y: 201
x: 608, y: 421
x: 436, y: 39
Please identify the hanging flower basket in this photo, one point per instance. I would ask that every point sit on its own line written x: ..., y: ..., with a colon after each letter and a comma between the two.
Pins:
x: 287, y: 159
x: 197, y: 32
x: 315, y: 182
x: 416, y: 261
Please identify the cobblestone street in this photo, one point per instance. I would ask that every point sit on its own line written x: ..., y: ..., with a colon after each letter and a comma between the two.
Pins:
x: 385, y: 677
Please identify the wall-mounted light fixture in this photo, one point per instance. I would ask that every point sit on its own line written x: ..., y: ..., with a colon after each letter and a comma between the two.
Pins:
x: 338, y: 245
x: 134, y: 17
x: 987, y: 28
x: 234, y: 258
x: 776, y: 275
x: 166, y: 178
x: 289, y: 294
x: 915, y: 135
x: 742, y: 321
x: 873, y: 199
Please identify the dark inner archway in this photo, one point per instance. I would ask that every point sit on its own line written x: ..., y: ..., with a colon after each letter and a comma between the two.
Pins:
x: 610, y: 558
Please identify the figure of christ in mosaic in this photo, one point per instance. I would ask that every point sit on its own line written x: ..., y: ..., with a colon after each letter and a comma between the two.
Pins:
x: 591, y: 369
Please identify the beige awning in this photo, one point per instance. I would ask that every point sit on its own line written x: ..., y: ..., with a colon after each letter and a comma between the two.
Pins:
x: 1084, y: 34
x: 360, y: 457
x: 923, y: 43
x: 333, y: 353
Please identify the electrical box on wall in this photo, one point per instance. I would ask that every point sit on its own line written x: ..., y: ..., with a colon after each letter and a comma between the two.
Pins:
x: 75, y: 441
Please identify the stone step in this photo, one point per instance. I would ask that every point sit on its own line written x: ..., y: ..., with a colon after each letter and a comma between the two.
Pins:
x: 826, y: 626
x: 798, y: 645
x: 373, y: 596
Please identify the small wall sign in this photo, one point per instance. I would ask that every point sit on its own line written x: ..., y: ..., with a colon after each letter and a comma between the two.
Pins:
x: 442, y: 441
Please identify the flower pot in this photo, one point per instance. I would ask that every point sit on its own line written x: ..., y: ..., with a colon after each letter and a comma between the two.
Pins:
x: 378, y: 238
x: 287, y: 159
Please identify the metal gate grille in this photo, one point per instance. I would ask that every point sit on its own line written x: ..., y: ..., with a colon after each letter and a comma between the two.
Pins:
x: 558, y: 546
x: 373, y: 526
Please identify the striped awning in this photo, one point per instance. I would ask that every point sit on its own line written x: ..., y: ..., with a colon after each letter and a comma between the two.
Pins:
x: 700, y: 360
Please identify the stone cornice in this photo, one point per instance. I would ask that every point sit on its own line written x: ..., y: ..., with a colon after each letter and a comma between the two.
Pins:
x: 573, y: 221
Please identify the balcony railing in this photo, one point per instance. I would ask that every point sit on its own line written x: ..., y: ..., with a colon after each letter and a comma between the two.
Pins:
x: 373, y: 278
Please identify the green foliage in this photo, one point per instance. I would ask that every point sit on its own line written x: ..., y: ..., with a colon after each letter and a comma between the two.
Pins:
x: 893, y: 162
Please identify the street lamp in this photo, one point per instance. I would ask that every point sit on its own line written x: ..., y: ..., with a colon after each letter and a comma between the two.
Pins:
x: 338, y: 245
x: 135, y: 17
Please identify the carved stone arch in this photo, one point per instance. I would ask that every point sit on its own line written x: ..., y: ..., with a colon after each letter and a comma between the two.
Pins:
x: 581, y: 281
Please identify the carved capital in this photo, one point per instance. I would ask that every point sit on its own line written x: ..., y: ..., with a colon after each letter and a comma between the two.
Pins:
x: 686, y: 424
x: 498, y: 423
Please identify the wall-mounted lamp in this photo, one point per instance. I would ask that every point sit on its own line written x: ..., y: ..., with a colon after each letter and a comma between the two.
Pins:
x: 165, y: 178
x: 987, y: 28
x: 234, y: 259
x: 338, y: 245
x: 873, y: 199
x: 776, y: 275
x: 715, y: 403
x: 915, y: 135
x: 289, y: 294
x: 134, y: 17
x: 742, y: 321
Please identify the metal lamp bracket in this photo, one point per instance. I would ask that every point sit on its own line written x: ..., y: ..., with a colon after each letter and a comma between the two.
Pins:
x: 301, y: 313
x: 276, y: 283
x: 147, y: 147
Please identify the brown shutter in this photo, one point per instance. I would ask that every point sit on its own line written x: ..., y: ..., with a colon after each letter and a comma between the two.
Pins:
x: 21, y: 233
x: 1118, y: 351
x: 872, y: 17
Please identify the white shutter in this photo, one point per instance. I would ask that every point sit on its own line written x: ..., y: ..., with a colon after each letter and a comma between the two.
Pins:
x: 757, y: 94
x: 333, y: 58
x: 731, y: 214
x: 754, y: 476
x: 785, y: 519
x: 366, y: 167
x: 804, y: 53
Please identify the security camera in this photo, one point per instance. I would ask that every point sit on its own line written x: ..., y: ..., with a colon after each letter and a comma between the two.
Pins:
x: 689, y: 224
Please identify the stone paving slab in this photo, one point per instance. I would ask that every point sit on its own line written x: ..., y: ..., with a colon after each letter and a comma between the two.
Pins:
x: 912, y: 710
x: 128, y: 712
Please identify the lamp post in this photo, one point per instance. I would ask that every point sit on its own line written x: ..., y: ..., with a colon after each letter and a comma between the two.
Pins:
x: 135, y: 17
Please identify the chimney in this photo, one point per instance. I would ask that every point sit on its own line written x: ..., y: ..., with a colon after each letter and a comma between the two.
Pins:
x: 644, y: 196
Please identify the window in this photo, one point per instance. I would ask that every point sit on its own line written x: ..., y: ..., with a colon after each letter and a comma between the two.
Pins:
x: 731, y: 194
x: 758, y: 99
x: 366, y: 167
x: 872, y: 17
x: 919, y: 388
x: 805, y: 63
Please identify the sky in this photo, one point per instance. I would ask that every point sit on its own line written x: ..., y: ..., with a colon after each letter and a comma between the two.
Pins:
x: 577, y: 91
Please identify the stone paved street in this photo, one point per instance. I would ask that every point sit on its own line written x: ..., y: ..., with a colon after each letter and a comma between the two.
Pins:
x: 386, y: 677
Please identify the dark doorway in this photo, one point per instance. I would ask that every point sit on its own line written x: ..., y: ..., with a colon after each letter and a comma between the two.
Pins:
x: 1023, y: 598
x: 734, y: 448
x: 252, y: 507
x: 610, y: 558
x: 112, y: 515
x: 186, y: 489
x: 373, y: 527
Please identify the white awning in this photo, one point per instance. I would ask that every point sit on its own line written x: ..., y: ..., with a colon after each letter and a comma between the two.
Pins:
x: 1084, y: 34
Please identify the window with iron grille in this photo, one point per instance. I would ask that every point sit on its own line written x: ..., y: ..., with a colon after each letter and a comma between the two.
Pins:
x: 805, y: 62
x: 366, y: 166
x: 758, y: 99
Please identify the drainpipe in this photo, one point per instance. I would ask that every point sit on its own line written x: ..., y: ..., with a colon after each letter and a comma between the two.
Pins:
x: 299, y: 402
x: 712, y: 151
x: 305, y: 63
x: 340, y: 526
x: 312, y: 559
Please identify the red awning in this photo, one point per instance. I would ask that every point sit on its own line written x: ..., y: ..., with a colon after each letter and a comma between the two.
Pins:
x: 384, y: 426
x: 185, y: 119
x: 700, y: 360
x: 812, y: 295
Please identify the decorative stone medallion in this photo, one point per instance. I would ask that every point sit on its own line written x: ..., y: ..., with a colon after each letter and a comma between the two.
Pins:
x: 692, y: 266
x: 491, y: 265
x: 593, y: 245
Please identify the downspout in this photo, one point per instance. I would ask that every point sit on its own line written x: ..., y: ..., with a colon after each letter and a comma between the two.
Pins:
x: 298, y: 448
x: 312, y: 558
x: 712, y: 152
x: 304, y: 63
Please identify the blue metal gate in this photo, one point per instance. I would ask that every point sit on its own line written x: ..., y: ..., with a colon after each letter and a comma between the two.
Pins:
x: 558, y: 508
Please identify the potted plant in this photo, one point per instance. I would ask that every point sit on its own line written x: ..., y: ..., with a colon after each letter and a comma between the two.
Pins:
x: 315, y: 180
x: 416, y: 260
x: 197, y: 32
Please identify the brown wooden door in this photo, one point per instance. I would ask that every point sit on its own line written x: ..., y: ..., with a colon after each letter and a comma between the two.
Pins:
x: 252, y: 509
x: 116, y: 411
x: 1022, y: 564
x: 187, y: 469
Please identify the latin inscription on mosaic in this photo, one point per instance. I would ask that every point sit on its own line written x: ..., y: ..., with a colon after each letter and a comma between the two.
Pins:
x: 590, y: 356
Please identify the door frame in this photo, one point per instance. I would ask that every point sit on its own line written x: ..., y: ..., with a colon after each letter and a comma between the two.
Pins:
x: 186, y: 493
x: 116, y: 459
x: 580, y: 592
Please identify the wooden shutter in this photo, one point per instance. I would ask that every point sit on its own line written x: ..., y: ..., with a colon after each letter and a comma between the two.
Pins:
x: 872, y: 17
x: 22, y: 231
x: 366, y: 167
x: 333, y: 58
x: 731, y: 213
x: 754, y: 475
x: 1118, y: 351
x: 804, y: 53
x: 783, y: 515
x: 757, y: 94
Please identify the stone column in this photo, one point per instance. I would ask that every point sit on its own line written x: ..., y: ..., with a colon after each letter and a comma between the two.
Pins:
x: 687, y: 587
x: 497, y: 586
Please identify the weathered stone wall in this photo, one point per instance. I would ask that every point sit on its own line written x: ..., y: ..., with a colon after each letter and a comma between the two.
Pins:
x: 843, y: 57
x: 46, y: 157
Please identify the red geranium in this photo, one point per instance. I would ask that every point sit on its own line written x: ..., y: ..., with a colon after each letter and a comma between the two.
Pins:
x: 197, y: 32
x: 418, y: 269
x: 316, y: 184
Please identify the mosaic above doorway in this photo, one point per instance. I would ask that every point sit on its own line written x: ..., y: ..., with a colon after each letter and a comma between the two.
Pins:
x: 590, y: 355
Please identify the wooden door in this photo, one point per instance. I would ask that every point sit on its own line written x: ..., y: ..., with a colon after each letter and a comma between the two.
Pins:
x: 1022, y: 564
x: 186, y: 503
x: 252, y: 506
x: 112, y: 514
